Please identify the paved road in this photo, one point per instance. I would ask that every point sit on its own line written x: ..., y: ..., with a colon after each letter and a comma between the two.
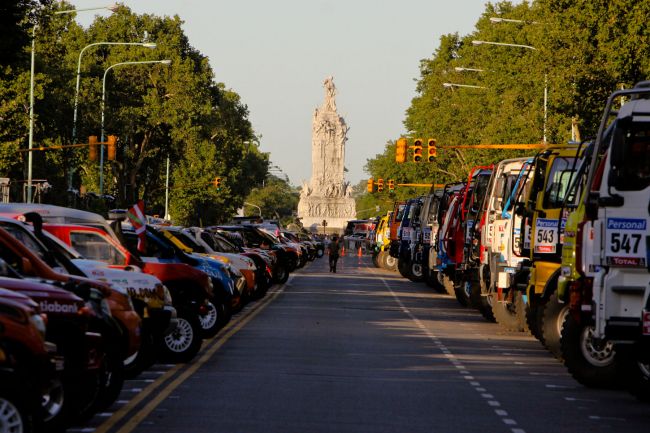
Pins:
x: 364, y: 350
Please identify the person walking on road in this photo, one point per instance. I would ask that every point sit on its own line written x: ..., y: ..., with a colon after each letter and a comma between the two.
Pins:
x: 333, y: 251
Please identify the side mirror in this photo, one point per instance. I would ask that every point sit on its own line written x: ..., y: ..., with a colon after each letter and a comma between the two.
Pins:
x: 27, y: 268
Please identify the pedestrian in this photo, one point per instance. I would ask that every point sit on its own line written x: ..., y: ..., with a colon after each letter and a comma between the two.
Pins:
x: 333, y: 251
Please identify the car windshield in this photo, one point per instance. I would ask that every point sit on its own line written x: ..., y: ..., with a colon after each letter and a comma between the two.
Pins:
x: 189, y: 241
x: 559, y: 178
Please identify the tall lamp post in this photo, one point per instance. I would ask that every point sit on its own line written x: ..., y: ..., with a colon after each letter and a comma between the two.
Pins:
x: 111, y: 8
x: 101, y: 146
x: 76, y: 92
x: 527, y: 47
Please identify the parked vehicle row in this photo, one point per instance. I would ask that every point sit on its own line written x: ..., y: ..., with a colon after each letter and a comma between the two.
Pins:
x: 556, y: 244
x: 85, y: 304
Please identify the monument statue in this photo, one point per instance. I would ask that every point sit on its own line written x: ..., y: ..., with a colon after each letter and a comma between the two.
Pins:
x: 327, y: 197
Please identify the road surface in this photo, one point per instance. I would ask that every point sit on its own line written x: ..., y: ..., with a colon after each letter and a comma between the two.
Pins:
x: 364, y: 350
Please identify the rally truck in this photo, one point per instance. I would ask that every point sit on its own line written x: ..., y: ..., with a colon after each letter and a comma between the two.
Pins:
x: 612, y: 244
x: 493, y: 243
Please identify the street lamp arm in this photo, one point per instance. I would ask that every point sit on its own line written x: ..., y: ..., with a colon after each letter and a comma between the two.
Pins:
x: 503, y: 44
x: 101, y: 146
x: 259, y: 209
x: 462, y: 85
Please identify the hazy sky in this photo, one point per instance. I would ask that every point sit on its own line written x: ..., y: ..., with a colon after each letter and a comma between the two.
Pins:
x: 276, y: 53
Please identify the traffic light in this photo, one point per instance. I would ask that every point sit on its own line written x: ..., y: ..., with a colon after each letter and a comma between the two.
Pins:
x: 217, y: 183
x: 417, y: 150
x: 391, y: 185
x: 400, y: 150
x: 92, y: 148
x: 110, y: 147
x: 380, y: 185
x: 371, y: 185
x: 432, y: 152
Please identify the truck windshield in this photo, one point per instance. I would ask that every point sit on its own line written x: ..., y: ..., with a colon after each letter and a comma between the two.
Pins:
x: 631, y: 157
x: 559, y: 178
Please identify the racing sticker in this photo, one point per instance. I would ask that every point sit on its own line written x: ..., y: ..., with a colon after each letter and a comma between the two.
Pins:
x: 625, y: 243
x: 546, y: 236
x: 426, y: 233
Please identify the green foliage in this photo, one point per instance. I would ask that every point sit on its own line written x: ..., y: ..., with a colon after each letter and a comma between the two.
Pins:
x: 583, y: 50
x: 157, y: 111
x: 276, y: 199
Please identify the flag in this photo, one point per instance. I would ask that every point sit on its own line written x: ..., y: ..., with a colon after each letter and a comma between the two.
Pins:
x: 139, y: 221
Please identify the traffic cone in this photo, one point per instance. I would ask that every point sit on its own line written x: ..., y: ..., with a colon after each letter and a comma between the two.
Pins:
x: 359, y: 253
x: 343, y: 251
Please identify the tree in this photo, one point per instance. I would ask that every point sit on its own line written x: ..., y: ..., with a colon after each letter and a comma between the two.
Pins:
x: 276, y: 199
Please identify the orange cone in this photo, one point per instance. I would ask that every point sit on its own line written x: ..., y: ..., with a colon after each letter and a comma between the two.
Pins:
x: 360, y: 253
x: 343, y: 251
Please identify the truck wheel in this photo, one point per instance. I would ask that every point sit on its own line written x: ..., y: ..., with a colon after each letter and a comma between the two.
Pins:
x: 638, y: 380
x: 416, y: 272
x: 390, y: 262
x: 403, y: 267
x: 483, y: 303
x: 462, y: 291
x: 553, y: 315
x: 447, y: 283
x: 591, y: 362
x: 375, y: 259
x: 432, y: 281
x: 511, y: 313
x: 184, y: 342
x: 534, y: 319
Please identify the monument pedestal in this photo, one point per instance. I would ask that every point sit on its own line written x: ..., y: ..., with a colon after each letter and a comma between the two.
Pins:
x: 337, y: 211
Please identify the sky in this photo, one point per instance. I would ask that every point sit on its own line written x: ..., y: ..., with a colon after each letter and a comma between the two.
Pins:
x: 276, y: 54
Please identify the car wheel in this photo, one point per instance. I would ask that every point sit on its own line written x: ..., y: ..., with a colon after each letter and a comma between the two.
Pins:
x: 281, y: 274
x: 14, y: 418
x: 210, y: 320
x: 184, y: 342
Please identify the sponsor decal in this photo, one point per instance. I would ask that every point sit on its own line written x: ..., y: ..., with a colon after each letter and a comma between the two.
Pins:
x: 625, y: 242
x: 57, y: 307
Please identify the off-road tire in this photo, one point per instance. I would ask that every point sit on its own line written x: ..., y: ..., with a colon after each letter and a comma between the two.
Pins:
x: 447, y: 283
x: 433, y: 282
x: 404, y: 268
x: 553, y: 315
x: 390, y: 262
x: 462, y: 291
x: 416, y: 272
x: 592, y: 366
x: 511, y: 315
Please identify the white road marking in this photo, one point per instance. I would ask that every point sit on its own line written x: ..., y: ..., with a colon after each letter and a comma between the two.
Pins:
x: 447, y: 353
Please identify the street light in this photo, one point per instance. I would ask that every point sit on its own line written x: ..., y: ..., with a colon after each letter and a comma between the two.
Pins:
x: 527, y: 47
x: 76, y: 93
x: 111, y: 8
x: 461, y: 69
x: 101, y: 146
x: 259, y: 209
x: 450, y: 85
x: 510, y: 20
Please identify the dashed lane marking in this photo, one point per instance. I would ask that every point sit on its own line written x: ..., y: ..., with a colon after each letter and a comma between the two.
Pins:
x: 450, y: 357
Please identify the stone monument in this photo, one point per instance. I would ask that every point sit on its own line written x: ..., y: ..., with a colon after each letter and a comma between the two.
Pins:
x: 327, y: 197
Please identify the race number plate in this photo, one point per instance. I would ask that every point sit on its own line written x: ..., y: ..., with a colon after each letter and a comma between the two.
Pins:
x: 546, y: 236
x: 625, y: 242
x: 426, y: 234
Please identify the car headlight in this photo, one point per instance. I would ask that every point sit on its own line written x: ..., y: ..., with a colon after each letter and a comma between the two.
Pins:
x: 106, y: 309
x: 39, y: 323
x: 167, y: 296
